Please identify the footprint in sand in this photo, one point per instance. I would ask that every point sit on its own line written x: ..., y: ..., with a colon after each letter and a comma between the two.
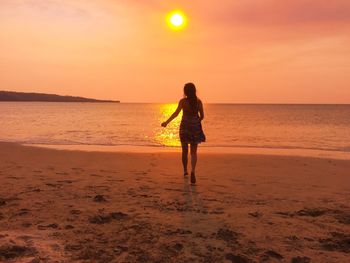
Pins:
x: 65, y: 181
x: 9, y: 252
x: 2, y: 202
x: 144, y: 188
x: 107, y: 218
x: 173, y: 189
x: 115, y: 180
x: 26, y: 224
x: 108, y: 171
x: 13, y: 177
x: 237, y: 258
x: 120, y: 249
x: 172, y: 249
x: 269, y: 254
x: 22, y: 212
x: 336, y: 242
x: 100, y: 199
x: 98, y: 187
x: 301, y: 260
x: 77, y: 169
x: 33, y: 189
x: 9, y: 200
x: 75, y: 212
x: 226, y: 234
x: 343, y: 217
x: 62, y: 173
x: 219, y: 185
x: 178, y: 231
x: 96, y: 175
x: 141, y: 173
x: 25, y: 238
x: 310, y: 212
x: 49, y: 226
x: 218, y: 211
x: 145, y: 196
x: 75, y: 247
x: 313, y: 212
x: 210, y: 199
x: 256, y: 214
x: 20, y: 247
x: 53, y: 185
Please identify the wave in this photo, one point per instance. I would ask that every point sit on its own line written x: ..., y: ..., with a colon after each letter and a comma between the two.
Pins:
x: 154, y: 145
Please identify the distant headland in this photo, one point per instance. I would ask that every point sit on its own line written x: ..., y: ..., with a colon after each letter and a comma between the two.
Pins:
x: 42, y: 97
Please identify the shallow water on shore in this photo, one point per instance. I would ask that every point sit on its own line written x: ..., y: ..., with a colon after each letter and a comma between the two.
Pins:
x: 303, y: 127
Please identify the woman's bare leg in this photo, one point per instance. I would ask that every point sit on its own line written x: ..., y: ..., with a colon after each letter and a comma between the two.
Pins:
x: 184, y: 156
x: 193, y: 157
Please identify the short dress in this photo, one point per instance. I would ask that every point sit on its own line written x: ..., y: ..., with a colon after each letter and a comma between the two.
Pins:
x: 191, y: 130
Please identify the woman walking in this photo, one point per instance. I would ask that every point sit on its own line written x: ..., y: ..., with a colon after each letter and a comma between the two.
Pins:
x: 191, y: 131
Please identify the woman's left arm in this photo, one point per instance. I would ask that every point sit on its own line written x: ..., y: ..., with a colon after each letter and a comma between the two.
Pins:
x: 201, y: 110
x: 174, y: 115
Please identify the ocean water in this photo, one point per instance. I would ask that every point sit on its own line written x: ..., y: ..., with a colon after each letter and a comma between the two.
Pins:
x: 315, y: 127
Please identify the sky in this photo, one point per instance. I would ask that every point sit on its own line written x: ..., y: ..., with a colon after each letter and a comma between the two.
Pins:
x: 235, y: 51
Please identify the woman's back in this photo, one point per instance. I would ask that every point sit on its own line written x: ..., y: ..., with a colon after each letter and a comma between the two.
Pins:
x: 188, y: 109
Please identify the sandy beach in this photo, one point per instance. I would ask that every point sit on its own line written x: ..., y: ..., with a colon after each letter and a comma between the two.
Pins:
x: 71, y: 206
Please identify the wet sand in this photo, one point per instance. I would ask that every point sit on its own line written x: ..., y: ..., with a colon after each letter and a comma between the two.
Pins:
x: 71, y: 206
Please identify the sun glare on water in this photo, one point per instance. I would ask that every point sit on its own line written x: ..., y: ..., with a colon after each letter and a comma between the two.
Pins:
x: 176, y: 20
x: 170, y: 135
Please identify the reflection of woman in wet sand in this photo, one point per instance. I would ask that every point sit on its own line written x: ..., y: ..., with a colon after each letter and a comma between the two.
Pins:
x: 191, y: 131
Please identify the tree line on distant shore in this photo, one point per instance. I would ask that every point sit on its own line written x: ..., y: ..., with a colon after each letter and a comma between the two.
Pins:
x: 23, y: 96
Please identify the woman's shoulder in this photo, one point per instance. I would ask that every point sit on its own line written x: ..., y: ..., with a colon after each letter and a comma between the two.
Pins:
x: 183, y: 100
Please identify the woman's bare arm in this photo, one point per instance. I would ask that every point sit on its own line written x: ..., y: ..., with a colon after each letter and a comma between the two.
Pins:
x: 174, y: 115
x: 201, y: 110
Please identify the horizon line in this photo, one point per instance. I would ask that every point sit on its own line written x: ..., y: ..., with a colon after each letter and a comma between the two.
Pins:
x: 220, y: 103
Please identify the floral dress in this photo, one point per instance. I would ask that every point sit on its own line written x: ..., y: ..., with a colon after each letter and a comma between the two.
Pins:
x: 191, y: 130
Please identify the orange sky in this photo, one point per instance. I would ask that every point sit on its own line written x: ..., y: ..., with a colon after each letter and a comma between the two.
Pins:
x: 251, y: 51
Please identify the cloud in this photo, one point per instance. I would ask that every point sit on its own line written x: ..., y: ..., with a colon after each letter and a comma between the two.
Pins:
x: 51, y: 8
x: 289, y: 12
x: 273, y: 21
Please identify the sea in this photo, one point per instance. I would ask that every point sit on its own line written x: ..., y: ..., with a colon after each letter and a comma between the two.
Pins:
x: 322, y: 128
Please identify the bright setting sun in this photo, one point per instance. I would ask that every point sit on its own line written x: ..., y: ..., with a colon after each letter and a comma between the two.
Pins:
x: 176, y: 20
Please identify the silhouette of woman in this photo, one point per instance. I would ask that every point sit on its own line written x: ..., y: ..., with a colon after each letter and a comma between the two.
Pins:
x: 191, y: 131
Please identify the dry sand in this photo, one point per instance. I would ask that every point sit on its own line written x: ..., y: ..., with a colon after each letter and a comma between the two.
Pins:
x: 70, y: 206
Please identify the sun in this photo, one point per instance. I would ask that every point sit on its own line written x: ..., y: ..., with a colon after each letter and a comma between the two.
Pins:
x: 176, y: 20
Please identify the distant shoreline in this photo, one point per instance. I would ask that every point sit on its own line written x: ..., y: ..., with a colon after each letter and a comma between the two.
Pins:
x: 11, y: 96
x: 44, y: 101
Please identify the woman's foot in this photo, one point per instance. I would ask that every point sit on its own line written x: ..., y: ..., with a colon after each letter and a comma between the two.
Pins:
x: 185, y: 173
x: 193, y: 178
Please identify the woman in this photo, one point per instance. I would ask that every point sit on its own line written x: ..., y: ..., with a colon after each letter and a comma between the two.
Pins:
x: 191, y: 131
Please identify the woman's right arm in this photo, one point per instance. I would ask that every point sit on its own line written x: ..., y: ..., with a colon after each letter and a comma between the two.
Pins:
x: 174, y: 115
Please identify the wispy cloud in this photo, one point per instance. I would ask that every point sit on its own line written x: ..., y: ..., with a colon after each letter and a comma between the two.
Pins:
x: 276, y: 12
x: 51, y: 8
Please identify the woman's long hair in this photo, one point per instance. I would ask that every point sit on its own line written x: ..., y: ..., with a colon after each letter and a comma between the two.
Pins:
x: 190, y: 93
